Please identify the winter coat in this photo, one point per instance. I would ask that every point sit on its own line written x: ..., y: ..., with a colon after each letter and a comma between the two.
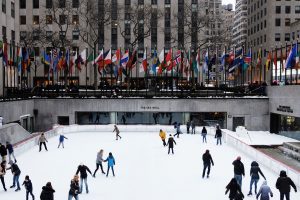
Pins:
x: 232, y: 187
x: 193, y: 124
x: 2, y: 169
x: 99, y: 158
x: 42, y: 139
x: 188, y: 124
x: 9, y: 148
x: 28, y: 185
x: 171, y: 142
x: 82, y: 169
x: 284, y: 183
x: 110, y: 161
x: 15, y: 169
x: 239, y: 196
x: 204, y: 132
x: 264, y: 191
x: 207, y: 159
x: 117, y: 130
x: 3, y: 151
x: 238, y: 167
x: 178, y: 128
x: 218, y: 133
x: 47, y: 193
x: 62, y: 138
x: 254, y: 172
x: 74, y: 188
x: 162, y: 135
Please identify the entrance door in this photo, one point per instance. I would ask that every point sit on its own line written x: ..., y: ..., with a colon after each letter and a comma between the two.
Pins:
x: 63, y: 120
x: 274, y: 123
x: 238, y: 121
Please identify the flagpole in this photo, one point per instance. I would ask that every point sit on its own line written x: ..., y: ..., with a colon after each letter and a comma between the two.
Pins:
x: 146, y: 80
x: 10, y: 64
x: 86, y: 60
x: 111, y: 73
x: 208, y: 64
x: 15, y: 66
x: 285, y: 70
x: 4, y: 41
x: 172, y: 71
x: 291, y: 75
x: 297, y: 55
x: 225, y: 68
x: 271, y: 68
x: 276, y: 63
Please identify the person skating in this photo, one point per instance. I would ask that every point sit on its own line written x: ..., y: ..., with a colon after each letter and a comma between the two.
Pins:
x: 61, y: 140
x: 162, y: 135
x: 83, y: 176
x: 233, y: 187
x: 42, y: 141
x: 239, y: 170
x: 2, y: 173
x: 28, y: 186
x: 264, y: 192
x: 15, y: 170
x: 10, y: 150
x: 47, y: 192
x: 171, y: 143
x: 204, y: 133
x: 188, y: 125
x: 3, y: 152
x: 97, y: 118
x: 283, y: 184
x: 99, y: 161
x: 207, y: 162
x: 117, y: 132
x: 218, y: 135
x: 178, y: 131
x: 74, y: 188
x: 110, y: 163
x: 193, y: 127
x: 254, y: 173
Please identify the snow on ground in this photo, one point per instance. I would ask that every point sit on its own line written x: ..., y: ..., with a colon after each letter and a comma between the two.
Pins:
x: 143, y: 168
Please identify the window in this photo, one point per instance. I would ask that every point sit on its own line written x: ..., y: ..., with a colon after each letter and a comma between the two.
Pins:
x: 167, y: 1
x: 277, y: 37
x: 75, y: 35
x: 13, y: 36
x: 4, y: 6
x: 36, y: 4
x: 140, y: 2
x: 287, y: 21
x: 22, y: 19
x: 48, y: 3
x: 75, y: 19
x: 75, y: 3
x: 12, y: 9
x: 297, y: 9
x: 4, y: 32
x: 127, y: 2
x: 36, y: 19
x: 277, y: 22
x: 49, y: 19
x: 23, y: 35
x: 287, y: 9
x: 62, y: 35
x: 114, y: 38
x: 62, y: 19
x: 154, y: 2
x: 287, y: 37
x: 22, y: 4
x: 62, y: 3
x: 49, y: 35
x: 36, y: 51
x: 36, y: 35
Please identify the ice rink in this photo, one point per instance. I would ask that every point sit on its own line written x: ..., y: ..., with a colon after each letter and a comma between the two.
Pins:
x: 144, y: 170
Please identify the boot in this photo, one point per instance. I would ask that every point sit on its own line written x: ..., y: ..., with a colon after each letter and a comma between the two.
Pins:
x: 249, y: 194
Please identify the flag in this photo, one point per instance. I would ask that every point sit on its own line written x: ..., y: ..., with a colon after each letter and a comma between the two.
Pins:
x: 19, y: 59
x: 79, y: 60
x: 98, y: 57
x: 72, y: 62
x: 54, y: 59
x: 238, y: 60
x: 248, y: 57
x: 132, y: 61
x: 144, y: 63
x: 169, y: 63
x: 198, y: 56
x: 155, y: 61
x: 107, y: 58
x: 205, y: 63
x: 177, y: 59
x: 1, y: 48
x: 161, y: 61
x: 275, y: 59
x: 223, y: 61
x: 187, y: 64
x: 83, y: 56
x: 258, y: 61
x: 291, y: 59
x: 67, y: 60
x: 124, y: 59
x: 116, y: 56
x: 5, y: 56
x: 268, y: 61
x: 61, y: 60
x: 297, y: 65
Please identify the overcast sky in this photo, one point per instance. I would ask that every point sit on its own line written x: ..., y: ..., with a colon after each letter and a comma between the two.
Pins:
x: 229, y: 1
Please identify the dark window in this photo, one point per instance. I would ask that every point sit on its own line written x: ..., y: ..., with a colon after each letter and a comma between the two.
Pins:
x: 287, y: 21
x: 154, y: 2
x: 114, y: 38
x: 75, y: 19
x: 48, y: 19
x: 36, y: 19
x: 4, y: 32
x: 75, y: 35
x: 13, y: 36
x: 23, y: 35
x: 140, y: 2
x: 287, y: 37
x: 75, y: 3
x: 62, y: 19
x: 287, y: 9
x: 297, y: 9
x: 22, y: 19
x: 62, y: 3
x: 167, y: 1
x: 36, y: 4
x: 4, y: 6
x: 127, y: 2
x: 62, y: 35
x: 22, y: 4
x: 12, y: 9
x: 277, y: 22
x: 48, y: 3
x: 114, y: 10
x: 49, y: 35
x: 36, y: 35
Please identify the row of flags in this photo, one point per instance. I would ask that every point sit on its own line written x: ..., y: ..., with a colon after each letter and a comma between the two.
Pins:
x: 165, y: 61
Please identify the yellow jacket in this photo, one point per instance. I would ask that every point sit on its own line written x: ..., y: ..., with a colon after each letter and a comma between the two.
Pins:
x: 162, y: 135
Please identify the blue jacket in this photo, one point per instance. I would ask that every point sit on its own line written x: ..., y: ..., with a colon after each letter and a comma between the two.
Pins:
x: 9, y: 148
x: 62, y: 138
x: 110, y: 161
x: 264, y: 192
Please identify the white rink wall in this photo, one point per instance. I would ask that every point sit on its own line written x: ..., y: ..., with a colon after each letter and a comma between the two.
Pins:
x: 269, y: 162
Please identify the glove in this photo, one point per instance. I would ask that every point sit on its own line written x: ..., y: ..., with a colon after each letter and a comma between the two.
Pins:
x: 295, y: 190
x: 271, y: 195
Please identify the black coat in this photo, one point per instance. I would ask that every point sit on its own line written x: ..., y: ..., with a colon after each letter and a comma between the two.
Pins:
x: 283, y: 184
x: 15, y: 169
x: 74, y: 188
x: 233, y: 187
x: 47, y: 193
x: 238, y: 167
x: 218, y: 133
x: 28, y: 185
x: 207, y: 159
x: 82, y: 169
x: 171, y: 142
x: 3, y: 151
x: 254, y: 172
x: 9, y: 148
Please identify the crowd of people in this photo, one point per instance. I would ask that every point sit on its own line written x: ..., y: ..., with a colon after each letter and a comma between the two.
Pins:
x: 234, y: 187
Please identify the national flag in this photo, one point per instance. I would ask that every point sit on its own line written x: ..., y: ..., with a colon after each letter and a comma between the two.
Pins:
x: 258, y: 61
x: 107, y: 58
x: 83, y: 56
x: 297, y: 65
x: 116, y: 57
x: 61, y: 60
x: 205, y: 63
x: 248, y: 57
x: 268, y: 61
x: 291, y: 59
x: 187, y: 64
x: 155, y: 61
x: 161, y: 61
x: 80, y: 59
x: 198, y: 57
x: 72, y: 62
x: 98, y: 57
x: 132, y: 61
x: 223, y: 61
x: 67, y: 60
x: 5, y: 56
x: 169, y: 63
x: 144, y: 63
x: 19, y: 58
x: 54, y: 59
x: 238, y: 60
x: 177, y: 59
x: 124, y: 59
x: 275, y: 59
x: 1, y: 48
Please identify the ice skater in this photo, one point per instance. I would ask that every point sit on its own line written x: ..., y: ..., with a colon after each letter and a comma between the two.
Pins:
x: 283, y: 184
x: 47, y: 192
x: 207, y: 162
x: 162, y: 135
x: 83, y: 176
x: 3, y: 151
x: 15, y: 170
x: 218, y: 135
x: 42, y: 141
x: 188, y: 125
x: 204, y: 133
x: 2, y: 173
x: 28, y: 186
x: 110, y: 163
x: 264, y: 192
x: 10, y: 150
x: 61, y: 140
x: 234, y: 188
x: 171, y: 143
x: 254, y: 173
x: 239, y: 170
x: 99, y: 161
x: 97, y: 118
x: 193, y: 125
x: 74, y: 188
x: 178, y: 131
x: 117, y: 132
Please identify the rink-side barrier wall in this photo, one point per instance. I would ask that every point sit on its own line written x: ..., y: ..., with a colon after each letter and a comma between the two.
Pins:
x: 268, y: 161
x: 264, y: 159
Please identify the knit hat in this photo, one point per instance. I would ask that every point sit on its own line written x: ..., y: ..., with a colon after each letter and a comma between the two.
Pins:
x: 238, y: 158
